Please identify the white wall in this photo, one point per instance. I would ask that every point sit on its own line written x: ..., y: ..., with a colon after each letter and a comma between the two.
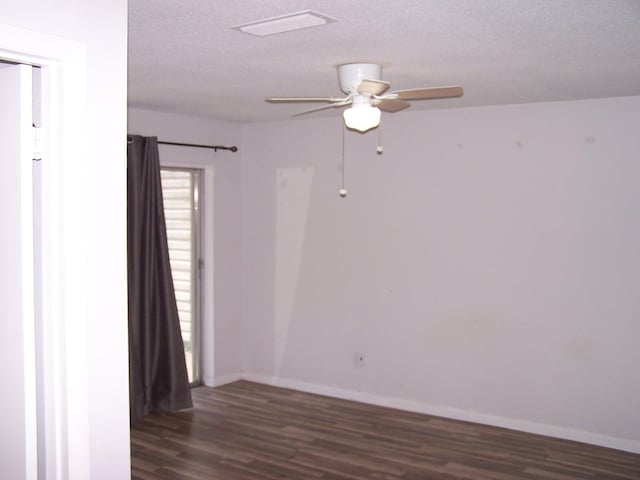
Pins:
x: 222, y: 295
x: 486, y: 265
x: 101, y: 26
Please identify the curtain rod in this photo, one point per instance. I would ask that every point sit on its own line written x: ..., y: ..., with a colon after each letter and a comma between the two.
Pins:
x: 214, y: 147
x: 180, y: 144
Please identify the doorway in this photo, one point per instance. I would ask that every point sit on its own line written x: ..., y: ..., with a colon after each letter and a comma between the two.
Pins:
x: 73, y: 299
x: 19, y: 447
x: 181, y: 193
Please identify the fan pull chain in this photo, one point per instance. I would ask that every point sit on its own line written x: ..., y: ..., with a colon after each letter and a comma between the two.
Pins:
x: 379, y: 150
x: 343, y: 191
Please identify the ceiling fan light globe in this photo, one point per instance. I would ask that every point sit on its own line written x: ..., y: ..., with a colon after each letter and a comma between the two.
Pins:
x: 362, y: 117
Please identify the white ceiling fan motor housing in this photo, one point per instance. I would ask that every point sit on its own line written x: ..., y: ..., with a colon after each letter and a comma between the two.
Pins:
x: 351, y: 74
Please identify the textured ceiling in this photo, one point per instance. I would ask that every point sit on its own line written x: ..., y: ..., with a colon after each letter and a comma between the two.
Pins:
x: 185, y: 58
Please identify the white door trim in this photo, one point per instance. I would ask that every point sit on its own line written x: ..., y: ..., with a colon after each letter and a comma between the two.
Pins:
x: 64, y: 245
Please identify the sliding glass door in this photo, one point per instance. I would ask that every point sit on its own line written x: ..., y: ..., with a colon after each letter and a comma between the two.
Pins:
x: 181, y: 195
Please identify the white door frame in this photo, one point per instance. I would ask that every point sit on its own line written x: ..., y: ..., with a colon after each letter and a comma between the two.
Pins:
x: 64, y: 245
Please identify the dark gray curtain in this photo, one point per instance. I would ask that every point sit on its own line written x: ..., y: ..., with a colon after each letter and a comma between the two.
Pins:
x: 158, y: 378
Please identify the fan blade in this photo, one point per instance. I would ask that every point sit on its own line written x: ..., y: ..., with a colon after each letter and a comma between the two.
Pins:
x: 372, y: 87
x: 427, y: 93
x: 323, y: 107
x: 303, y: 99
x: 390, y: 104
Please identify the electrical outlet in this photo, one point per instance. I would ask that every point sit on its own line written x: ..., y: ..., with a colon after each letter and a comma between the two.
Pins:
x: 359, y: 359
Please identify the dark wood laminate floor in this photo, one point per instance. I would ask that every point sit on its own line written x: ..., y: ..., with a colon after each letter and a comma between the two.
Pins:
x: 248, y: 431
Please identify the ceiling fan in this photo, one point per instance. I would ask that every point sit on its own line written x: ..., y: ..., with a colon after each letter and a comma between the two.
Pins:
x: 365, y: 89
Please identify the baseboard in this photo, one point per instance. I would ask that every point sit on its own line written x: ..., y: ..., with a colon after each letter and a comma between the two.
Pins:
x: 450, y: 412
x: 223, y: 379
